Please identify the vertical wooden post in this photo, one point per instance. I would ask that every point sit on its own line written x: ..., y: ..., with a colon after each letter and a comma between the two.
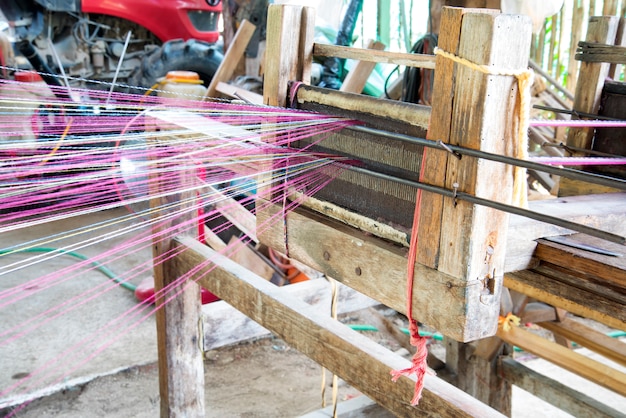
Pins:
x: 620, y: 40
x: 477, y: 375
x: 290, y: 32
x: 233, y: 55
x: 602, y: 30
x: 179, y: 335
x: 357, y: 77
x: 476, y: 111
x: 591, y: 76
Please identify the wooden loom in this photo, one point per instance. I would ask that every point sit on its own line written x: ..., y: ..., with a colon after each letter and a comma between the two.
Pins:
x: 464, y: 253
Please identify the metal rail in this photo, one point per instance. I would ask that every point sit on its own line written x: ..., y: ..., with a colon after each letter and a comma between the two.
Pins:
x: 458, y: 151
x: 454, y: 194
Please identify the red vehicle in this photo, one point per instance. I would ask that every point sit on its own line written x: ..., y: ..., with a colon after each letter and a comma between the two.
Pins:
x: 88, y: 37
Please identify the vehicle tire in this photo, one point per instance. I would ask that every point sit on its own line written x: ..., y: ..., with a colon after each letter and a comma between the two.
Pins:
x: 193, y: 55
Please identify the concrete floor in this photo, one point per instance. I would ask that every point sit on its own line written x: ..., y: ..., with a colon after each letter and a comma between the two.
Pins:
x: 40, y: 359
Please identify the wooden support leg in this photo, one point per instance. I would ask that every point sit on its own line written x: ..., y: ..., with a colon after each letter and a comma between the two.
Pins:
x: 477, y: 111
x: 290, y: 41
x: 233, y: 55
x: 603, y: 30
x: 178, y: 318
x: 479, y: 376
x: 358, y: 360
x: 181, y: 367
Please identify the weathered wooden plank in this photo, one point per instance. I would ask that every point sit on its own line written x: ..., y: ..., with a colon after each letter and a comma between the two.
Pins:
x: 600, y: 267
x: 239, y: 93
x: 570, y: 360
x: 479, y: 376
x: 232, y: 56
x: 358, y: 75
x: 620, y: 39
x: 308, y: 97
x: 181, y: 370
x: 576, y: 301
x: 604, y: 211
x: 590, y: 81
x: 601, y: 211
x: 386, y: 57
x: 556, y: 393
x: 604, y: 296
x: 224, y: 325
x: 290, y: 41
x: 322, y: 339
x: 594, y: 340
x: 439, y: 129
x: 375, y: 268
x: 591, y: 76
x: 443, y: 101
x: 474, y: 237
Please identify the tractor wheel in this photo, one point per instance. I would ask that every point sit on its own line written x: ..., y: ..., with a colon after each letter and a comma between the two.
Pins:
x: 192, y: 55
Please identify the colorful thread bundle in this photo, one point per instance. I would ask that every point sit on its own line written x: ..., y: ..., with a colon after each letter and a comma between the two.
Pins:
x: 61, y: 158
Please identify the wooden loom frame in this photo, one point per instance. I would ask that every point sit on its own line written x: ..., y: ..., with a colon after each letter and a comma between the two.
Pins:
x: 469, y: 284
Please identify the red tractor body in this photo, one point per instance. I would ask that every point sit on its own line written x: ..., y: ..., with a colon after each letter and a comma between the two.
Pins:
x: 167, y: 20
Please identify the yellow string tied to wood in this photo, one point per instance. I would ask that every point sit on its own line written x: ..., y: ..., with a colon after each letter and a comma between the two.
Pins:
x: 507, y: 322
x: 525, y: 79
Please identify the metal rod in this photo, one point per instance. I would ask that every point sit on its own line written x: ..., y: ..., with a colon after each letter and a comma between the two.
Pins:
x: 119, y: 66
x: 563, y: 172
x: 552, y: 81
x: 455, y: 194
x: 573, y: 113
x: 572, y: 149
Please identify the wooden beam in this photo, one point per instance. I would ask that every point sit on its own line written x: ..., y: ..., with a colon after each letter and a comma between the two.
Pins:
x: 537, y: 312
x: 591, y: 76
x: 181, y: 369
x: 607, y: 269
x: 324, y: 340
x: 445, y: 79
x: 464, y: 240
x: 233, y: 55
x: 579, y: 302
x: 479, y: 376
x: 593, y: 370
x: 308, y: 97
x: 369, y: 55
x: 620, y: 40
x: 239, y: 93
x: 556, y: 393
x: 358, y: 75
x: 594, y: 340
x: 234, y: 211
x: 480, y: 115
x: 225, y: 325
x: 290, y: 43
x: 604, y: 211
x: 360, y: 260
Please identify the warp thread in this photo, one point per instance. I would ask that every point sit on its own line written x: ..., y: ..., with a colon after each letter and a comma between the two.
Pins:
x: 525, y: 79
x: 577, y: 123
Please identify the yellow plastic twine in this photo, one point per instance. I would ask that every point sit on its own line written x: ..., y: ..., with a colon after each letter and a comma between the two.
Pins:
x: 58, y: 144
x: 525, y: 79
x: 507, y: 322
